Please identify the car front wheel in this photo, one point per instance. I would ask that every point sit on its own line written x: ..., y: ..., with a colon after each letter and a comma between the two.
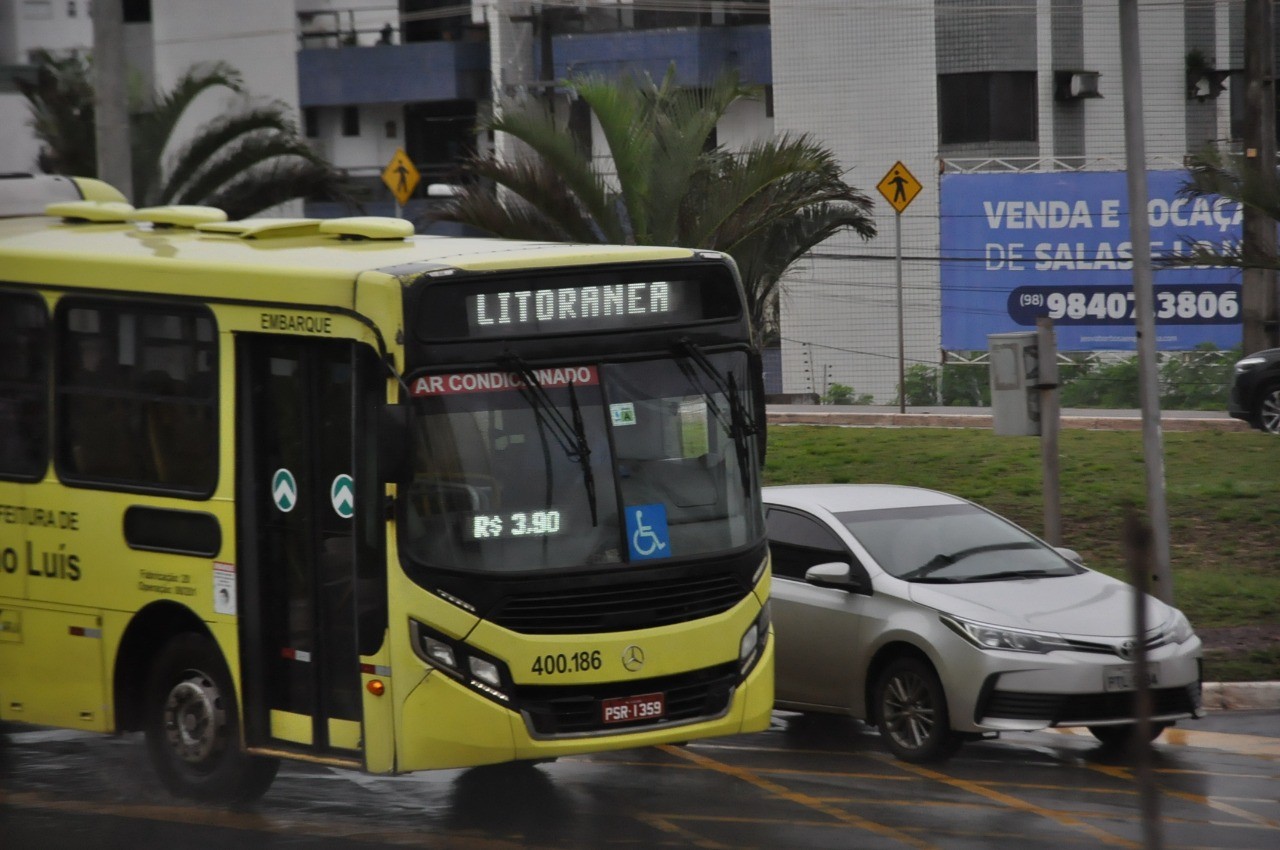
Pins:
x: 1269, y: 409
x: 911, y: 712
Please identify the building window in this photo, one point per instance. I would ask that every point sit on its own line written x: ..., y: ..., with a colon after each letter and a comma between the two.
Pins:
x: 137, y: 11
x: 24, y: 375
x: 311, y: 122
x: 350, y: 120
x: 994, y: 106
x: 136, y: 396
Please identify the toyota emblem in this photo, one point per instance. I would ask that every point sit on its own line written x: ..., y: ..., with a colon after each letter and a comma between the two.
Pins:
x: 1127, y: 649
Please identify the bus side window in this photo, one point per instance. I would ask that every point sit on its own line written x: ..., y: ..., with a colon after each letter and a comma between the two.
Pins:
x: 137, y: 400
x: 24, y: 375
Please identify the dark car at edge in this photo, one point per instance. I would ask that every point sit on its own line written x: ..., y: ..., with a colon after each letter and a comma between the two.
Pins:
x: 1255, y: 393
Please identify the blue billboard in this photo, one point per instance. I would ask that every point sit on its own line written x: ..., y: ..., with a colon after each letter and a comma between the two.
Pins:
x: 1018, y: 246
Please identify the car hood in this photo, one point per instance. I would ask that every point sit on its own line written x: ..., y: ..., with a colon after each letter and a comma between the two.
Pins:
x: 1089, y: 604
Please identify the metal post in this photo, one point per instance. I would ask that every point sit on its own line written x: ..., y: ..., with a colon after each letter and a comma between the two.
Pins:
x: 1144, y: 299
x: 111, y: 112
x: 1047, y: 351
x: 902, y: 349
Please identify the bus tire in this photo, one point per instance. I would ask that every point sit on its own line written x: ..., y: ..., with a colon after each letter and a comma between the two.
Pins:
x: 193, y: 726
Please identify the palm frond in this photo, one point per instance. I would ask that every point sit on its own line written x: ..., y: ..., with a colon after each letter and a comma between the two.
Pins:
x: 219, y: 135
x: 237, y: 159
x: 275, y: 182
x: 535, y: 127
x: 539, y: 204
x: 153, y: 127
x: 1213, y: 174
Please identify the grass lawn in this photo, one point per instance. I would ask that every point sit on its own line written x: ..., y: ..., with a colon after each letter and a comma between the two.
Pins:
x: 1222, y: 489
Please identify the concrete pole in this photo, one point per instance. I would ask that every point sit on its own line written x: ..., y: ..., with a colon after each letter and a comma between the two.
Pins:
x: 111, y: 111
x: 1144, y: 299
x: 1258, y: 295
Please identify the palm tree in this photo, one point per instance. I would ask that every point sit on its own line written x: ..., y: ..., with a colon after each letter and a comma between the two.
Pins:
x: 1215, y: 174
x: 243, y: 162
x: 766, y: 205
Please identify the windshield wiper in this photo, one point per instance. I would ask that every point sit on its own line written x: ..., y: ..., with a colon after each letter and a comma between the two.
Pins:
x: 941, y: 560
x: 937, y: 562
x: 571, y: 436
x: 1008, y: 574
x: 740, y: 424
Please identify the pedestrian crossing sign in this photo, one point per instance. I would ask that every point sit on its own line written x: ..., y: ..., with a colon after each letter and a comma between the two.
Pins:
x: 899, y: 187
x: 401, y: 176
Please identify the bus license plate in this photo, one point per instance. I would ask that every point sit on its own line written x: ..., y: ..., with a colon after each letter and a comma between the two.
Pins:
x: 627, y: 709
x: 1124, y: 677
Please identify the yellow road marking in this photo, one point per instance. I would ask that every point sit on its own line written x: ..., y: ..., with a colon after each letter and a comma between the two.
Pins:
x: 796, y: 797
x: 1199, y: 799
x: 1013, y: 802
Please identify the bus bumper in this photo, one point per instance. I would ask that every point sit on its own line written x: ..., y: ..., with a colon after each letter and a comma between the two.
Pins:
x: 459, y: 728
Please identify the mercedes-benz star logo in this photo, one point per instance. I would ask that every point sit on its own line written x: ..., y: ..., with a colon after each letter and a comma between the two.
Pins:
x: 633, y: 658
x: 1127, y: 649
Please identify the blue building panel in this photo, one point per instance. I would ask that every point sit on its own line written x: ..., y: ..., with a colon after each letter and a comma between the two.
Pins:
x: 408, y: 73
x: 700, y: 54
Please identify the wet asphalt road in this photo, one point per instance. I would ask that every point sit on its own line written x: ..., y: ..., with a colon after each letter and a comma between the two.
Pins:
x: 806, y: 783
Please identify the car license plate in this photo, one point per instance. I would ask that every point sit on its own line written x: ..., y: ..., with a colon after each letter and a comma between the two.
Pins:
x: 1124, y: 677
x: 627, y: 709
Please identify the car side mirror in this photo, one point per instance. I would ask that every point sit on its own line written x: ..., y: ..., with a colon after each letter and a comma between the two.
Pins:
x: 1070, y: 554
x: 839, y: 575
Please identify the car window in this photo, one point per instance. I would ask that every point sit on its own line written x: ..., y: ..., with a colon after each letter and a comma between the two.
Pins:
x: 799, y: 542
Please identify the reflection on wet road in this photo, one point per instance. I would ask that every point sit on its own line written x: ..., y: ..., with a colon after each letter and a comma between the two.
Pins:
x: 806, y: 783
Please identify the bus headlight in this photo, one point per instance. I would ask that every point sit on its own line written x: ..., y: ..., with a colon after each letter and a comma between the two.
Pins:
x: 485, y: 671
x: 753, y: 641
x: 477, y: 670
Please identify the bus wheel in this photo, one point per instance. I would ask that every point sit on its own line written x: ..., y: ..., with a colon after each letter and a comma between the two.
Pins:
x: 193, y: 729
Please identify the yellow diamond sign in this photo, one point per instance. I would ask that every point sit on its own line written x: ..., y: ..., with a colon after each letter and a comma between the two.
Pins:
x: 899, y: 187
x: 401, y: 176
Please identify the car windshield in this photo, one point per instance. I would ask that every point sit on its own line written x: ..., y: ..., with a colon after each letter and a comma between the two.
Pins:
x: 951, y: 544
x: 609, y: 464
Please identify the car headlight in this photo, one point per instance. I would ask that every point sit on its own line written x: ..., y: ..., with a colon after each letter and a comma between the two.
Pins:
x: 986, y: 636
x: 1179, y: 628
x: 1248, y: 363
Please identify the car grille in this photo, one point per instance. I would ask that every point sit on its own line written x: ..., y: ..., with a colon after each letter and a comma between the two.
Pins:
x: 555, y: 711
x: 613, y: 608
x: 1058, y: 709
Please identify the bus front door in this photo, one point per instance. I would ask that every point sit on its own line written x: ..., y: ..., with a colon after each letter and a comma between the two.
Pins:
x: 302, y: 548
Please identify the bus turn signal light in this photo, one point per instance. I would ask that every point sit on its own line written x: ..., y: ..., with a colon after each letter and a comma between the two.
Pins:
x: 376, y: 687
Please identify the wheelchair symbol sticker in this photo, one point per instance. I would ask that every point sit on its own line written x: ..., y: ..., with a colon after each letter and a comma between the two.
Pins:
x: 647, y: 534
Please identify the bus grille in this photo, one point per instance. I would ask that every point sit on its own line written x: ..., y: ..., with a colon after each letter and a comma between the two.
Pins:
x: 588, y: 610
x: 1082, y: 708
x: 555, y: 711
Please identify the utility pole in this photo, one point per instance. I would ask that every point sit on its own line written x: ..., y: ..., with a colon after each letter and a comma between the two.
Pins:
x: 1258, y: 292
x: 111, y: 112
x: 1135, y: 147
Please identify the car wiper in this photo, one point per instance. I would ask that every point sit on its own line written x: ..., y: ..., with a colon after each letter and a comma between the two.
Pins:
x: 937, y: 562
x: 570, y: 435
x: 740, y: 423
x: 1009, y: 574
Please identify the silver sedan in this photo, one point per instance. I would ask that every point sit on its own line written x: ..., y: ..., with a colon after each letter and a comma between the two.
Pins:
x: 941, y: 621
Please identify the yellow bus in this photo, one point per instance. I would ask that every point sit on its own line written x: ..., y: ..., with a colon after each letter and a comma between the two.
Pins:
x: 332, y: 491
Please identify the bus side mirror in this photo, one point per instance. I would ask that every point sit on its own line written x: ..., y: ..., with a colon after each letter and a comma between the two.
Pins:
x: 393, y: 444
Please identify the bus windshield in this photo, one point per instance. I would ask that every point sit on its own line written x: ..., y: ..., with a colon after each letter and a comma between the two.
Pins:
x: 596, y: 464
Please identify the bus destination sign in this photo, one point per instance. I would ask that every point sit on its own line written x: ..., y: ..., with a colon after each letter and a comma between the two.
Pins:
x: 580, y: 308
